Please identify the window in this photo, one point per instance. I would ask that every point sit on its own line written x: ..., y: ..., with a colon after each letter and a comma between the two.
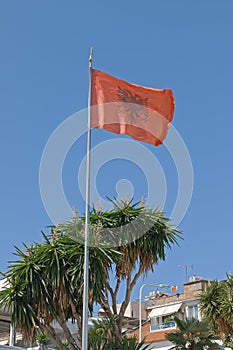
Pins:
x: 133, y: 313
x: 160, y: 323
x: 193, y: 312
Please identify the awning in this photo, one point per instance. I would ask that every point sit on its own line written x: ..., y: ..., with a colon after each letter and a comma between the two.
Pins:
x: 165, y: 310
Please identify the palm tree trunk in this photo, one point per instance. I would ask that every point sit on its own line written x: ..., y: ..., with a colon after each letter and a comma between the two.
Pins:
x: 79, y: 323
x: 68, y: 335
x: 51, y: 332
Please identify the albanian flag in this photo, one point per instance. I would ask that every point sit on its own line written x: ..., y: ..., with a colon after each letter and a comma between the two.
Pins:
x: 123, y: 108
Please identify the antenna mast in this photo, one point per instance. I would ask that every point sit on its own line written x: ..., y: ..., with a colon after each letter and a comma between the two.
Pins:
x: 186, y: 267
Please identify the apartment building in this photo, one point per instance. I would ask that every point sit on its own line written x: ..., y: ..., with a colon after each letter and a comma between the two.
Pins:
x: 161, y: 309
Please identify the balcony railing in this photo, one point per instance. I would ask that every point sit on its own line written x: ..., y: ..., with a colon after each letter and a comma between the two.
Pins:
x: 163, y: 325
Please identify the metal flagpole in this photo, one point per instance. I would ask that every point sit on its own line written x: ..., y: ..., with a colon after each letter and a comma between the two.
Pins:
x: 86, y: 254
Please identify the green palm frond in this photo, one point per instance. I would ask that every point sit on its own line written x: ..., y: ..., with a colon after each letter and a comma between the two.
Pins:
x: 46, y: 279
x: 194, y: 335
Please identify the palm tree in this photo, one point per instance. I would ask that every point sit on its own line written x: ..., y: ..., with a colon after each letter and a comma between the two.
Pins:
x: 216, y: 303
x: 42, y: 339
x: 143, y: 242
x: 101, y: 334
x: 101, y: 337
x: 193, y: 335
x: 131, y: 344
x: 46, y: 282
x: 141, y: 236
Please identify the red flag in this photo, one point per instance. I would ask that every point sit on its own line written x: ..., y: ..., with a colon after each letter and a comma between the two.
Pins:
x: 123, y: 108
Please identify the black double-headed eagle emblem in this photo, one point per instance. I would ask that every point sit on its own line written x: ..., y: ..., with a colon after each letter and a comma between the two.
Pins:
x: 132, y: 104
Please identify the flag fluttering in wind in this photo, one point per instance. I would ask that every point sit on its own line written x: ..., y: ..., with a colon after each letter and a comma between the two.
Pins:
x: 123, y: 108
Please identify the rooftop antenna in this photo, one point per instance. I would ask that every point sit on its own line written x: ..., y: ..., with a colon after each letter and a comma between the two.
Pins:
x: 186, y: 267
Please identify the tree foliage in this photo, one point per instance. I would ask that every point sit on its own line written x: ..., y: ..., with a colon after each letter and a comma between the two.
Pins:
x: 193, y: 335
x: 46, y: 280
x: 143, y: 239
x: 46, y: 284
x: 101, y: 337
x: 217, y: 308
x: 42, y: 339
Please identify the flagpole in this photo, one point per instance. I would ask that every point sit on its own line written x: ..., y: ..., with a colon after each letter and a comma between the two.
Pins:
x: 86, y: 253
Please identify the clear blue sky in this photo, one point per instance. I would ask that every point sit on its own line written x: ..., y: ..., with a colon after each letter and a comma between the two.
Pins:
x: 182, y: 45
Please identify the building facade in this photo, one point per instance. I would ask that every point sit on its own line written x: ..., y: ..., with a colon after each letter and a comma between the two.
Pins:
x: 161, y: 309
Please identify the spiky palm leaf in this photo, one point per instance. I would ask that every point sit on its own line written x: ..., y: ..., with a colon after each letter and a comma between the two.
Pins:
x: 46, y: 282
x: 216, y: 303
x: 47, y: 279
x: 193, y: 335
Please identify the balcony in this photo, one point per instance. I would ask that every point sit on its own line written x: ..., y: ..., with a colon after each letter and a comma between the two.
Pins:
x: 162, y: 326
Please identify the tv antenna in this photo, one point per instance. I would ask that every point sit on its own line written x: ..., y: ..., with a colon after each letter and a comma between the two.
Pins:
x: 186, y: 267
